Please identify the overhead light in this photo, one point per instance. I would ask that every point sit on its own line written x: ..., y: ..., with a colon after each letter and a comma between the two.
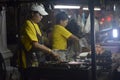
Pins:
x: 66, y: 7
x: 96, y: 9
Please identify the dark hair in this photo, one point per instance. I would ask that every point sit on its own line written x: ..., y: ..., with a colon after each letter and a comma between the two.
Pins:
x: 61, y: 16
x: 74, y: 28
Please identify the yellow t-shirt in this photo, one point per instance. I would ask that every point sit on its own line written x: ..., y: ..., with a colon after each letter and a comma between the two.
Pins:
x: 28, y: 34
x: 59, y: 37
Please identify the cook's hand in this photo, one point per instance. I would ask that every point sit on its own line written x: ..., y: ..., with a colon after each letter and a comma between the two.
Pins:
x: 56, y: 57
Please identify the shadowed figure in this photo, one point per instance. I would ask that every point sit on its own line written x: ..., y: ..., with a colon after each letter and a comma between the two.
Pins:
x: 75, y: 49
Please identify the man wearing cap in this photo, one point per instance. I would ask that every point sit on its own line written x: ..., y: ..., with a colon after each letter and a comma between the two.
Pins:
x: 30, y: 37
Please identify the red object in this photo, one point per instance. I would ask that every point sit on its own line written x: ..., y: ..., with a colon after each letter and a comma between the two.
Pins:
x: 108, y: 18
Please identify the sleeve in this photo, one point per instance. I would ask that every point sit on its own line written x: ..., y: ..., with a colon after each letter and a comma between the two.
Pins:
x: 64, y: 32
x: 31, y: 32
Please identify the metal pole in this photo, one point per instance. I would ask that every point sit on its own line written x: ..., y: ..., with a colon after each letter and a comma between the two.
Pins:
x: 92, y: 35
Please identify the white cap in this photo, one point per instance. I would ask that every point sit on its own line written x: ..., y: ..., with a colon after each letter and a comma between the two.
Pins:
x: 39, y: 8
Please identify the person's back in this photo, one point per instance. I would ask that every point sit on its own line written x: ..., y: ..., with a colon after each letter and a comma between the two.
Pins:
x: 103, y: 57
x: 74, y: 28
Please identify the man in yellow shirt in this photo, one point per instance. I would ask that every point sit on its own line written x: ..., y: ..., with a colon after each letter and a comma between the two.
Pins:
x: 60, y: 35
x: 30, y: 37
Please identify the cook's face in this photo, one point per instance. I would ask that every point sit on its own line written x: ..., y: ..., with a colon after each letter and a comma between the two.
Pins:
x: 37, y: 17
x: 64, y: 23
